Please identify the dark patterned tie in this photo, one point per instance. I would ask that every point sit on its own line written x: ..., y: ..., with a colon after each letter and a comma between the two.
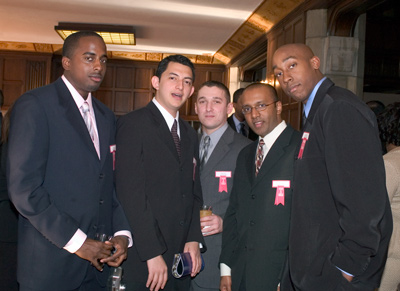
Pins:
x: 260, y: 155
x: 242, y: 129
x: 174, y: 132
x: 204, y: 151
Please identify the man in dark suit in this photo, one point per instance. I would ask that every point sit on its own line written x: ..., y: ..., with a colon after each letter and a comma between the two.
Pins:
x: 158, y: 181
x: 237, y: 120
x: 60, y: 178
x: 219, y: 148
x: 256, y: 224
x: 341, y: 219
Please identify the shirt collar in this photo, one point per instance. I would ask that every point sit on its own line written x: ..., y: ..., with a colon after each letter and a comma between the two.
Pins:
x: 271, y: 137
x: 169, y: 119
x: 216, y: 135
x: 76, y: 96
x: 310, y: 100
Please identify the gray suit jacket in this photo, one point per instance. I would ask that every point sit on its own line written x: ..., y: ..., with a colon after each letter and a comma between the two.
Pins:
x: 223, y: 158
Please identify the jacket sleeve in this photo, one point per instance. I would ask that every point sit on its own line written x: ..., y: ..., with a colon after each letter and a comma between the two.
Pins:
x: 27, y: 160
x: 357, y: 179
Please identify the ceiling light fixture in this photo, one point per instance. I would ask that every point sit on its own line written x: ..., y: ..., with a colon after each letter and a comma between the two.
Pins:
x: 112, y: 34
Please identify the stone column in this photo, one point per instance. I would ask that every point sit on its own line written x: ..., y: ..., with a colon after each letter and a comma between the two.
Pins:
x: 342, y: 58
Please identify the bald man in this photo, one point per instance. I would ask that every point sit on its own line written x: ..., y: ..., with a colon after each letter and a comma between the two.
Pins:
x: 341, y: 221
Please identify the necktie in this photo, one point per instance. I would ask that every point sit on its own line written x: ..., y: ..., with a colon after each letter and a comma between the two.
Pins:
x: 242, y: 129
x: 89, y: 124
x: 303, y: 119
x: 260, y: 155
x: 204, y: 151
x: 174, y: 132
x: 87, y: 119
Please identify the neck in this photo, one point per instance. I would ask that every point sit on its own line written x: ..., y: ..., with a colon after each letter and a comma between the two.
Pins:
x: 241, y: 119
x: 390, y: 147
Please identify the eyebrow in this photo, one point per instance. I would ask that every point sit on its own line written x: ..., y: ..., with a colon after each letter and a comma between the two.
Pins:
x: 175, y: 74
x: 284, y: 60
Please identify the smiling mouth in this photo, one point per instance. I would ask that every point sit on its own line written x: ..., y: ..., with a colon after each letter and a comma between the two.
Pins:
x: 257, y: 124
x: 294, y: 88
x: 96, y: 78
x: 177, y: 95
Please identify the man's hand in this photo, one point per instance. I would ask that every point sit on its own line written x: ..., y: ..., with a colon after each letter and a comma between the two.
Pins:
x: 194, y: 250
x: 225, y: 283
x: 347, y: 277
x: 211, y: 224
x: 94, y: 251
x: 158, y: 275
x: 120, y: 244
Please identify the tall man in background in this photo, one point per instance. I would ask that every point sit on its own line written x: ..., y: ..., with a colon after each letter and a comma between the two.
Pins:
x: 237, y: 120
x: 219, y: 148
x: 158, y: 181
x: 256, y: 224
x: 60, y: 176
x: 341, y: 219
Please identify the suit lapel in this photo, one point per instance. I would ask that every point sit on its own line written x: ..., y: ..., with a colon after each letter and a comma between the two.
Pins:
x: 164, y: 132
x: 219, y: 152
x: 73, y: 114
x: 319, y: 97
x: 275, y: 153
x: 251, y: 161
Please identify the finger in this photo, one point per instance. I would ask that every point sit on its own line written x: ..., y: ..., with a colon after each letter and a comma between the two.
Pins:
x: 97, y: 265
x: 154, y: 282
x: 165, y: 279
x: 149, y: 279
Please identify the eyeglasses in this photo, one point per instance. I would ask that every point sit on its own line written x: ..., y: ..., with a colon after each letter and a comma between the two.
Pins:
x: 258, y: 107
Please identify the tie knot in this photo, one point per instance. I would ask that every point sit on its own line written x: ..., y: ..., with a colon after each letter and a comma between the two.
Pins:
x: 207, y: 140
x: 261, y: 143
x: 85, y: 107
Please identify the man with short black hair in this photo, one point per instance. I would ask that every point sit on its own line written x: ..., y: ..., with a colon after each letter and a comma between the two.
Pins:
x: 60, y: 177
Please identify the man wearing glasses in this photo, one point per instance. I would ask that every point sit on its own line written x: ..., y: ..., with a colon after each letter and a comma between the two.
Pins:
x: 256, y: 223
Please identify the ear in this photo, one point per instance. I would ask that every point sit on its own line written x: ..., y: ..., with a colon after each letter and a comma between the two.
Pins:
x: 191, y: 92
x: 66, y: 63
x: 195, y: 107
x: 155, y: 82
x: 315, y: 62
x: 229, y: 108
x: 278, y: 107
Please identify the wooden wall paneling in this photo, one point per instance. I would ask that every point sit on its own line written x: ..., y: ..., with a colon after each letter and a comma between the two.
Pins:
x: 123, y: 102
x: 36, y: 74
x: 141, y: 98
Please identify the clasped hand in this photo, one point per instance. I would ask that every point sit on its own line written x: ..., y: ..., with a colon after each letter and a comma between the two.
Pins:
x: 100, y: 253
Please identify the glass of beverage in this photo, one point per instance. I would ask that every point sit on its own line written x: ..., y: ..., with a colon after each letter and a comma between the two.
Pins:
x: 205, y: 210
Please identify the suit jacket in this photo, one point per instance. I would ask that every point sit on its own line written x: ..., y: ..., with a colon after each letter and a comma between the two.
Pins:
x: 251, y: 135
x: 159, y: 191
x: 222, y: 159
x: 58, y: 184
x: 256, y: 231
x: 390, y: 277
x: 341, y: 214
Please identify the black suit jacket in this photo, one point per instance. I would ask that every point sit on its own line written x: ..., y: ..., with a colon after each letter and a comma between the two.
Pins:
x: 58, y: 184
x: 341, y: 214
x: 159, y: 191
x: 256, y: 231
x: 251, y: 135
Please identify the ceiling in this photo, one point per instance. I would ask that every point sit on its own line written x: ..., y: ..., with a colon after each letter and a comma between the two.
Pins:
x: 210, y: 31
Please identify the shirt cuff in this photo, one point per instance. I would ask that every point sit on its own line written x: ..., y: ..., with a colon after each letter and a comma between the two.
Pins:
x: 225, y: 270
x: 344, y: 271
x: 76, y: 241
x: 126, y: 233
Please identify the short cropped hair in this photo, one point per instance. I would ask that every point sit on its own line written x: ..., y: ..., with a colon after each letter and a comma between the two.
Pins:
x: 218, y: 85
x: 389, y: 124
x: 237, y: 95
x: 269, y: 87
x: 162, y: 66
x: 71, y: 42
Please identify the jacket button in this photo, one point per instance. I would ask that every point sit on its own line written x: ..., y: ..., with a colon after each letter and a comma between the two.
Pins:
x: 181, y: 223
x: 101, y: 176
x: 252, y: 222
x: 101, y: 201
x: 253, y: 196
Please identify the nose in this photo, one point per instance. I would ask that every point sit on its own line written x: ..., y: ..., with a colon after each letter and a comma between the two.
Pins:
x: 208, y: 106
x: 254, y: 112
x: 286, y: 77
x: 98, y: 65
x: 179, y: 84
